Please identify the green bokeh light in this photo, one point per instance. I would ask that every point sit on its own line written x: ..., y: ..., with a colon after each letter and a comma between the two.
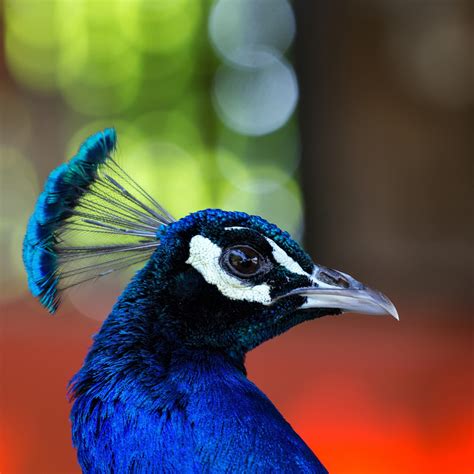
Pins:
x: 168, y: 173
x: 282, y: 206
x: 32, y: 66
x: 276, y: 202
x: 31, y: 43
x: 166, y: 79
x: 279, y: 149
x: 172, y: 126
x: 33, y: 23
x: 259, y: 178
x: 99, y: 74
x: 161, y: 26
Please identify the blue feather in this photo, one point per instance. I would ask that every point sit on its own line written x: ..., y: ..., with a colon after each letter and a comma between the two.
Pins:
x: 63, y: 189
x: 90, y: 193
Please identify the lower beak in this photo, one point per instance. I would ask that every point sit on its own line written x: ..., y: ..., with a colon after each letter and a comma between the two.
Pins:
x: 353, y: 297
x: 366, y: 301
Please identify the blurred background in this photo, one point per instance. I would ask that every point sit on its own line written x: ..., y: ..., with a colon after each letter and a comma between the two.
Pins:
x: 348, y: 123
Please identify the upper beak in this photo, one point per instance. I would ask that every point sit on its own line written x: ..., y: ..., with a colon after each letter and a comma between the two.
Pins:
x: 333, y: 289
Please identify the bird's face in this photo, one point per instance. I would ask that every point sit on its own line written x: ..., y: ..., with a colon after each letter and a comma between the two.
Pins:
x: 235, y: 280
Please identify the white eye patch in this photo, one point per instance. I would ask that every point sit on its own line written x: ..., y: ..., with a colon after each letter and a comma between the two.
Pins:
x: 204, y: 256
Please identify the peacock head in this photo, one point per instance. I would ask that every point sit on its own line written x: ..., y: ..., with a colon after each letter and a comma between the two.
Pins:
x: 235, y: 280
x: 228, y: 279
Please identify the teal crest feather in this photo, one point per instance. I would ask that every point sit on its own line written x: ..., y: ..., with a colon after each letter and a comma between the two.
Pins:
x: 89, y: 194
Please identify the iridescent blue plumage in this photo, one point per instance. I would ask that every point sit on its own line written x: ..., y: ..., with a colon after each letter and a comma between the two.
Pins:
x: 63, y: 189
x: 164, y: 387
x: 85, y: 195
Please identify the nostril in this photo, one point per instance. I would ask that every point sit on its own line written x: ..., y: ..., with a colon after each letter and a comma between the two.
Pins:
x: 331, y: 277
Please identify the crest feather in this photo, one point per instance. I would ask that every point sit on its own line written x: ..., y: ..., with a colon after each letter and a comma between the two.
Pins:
x: 91, y: 194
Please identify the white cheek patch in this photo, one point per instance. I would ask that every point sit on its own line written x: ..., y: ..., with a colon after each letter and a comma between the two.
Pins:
x: 285, y: 260
x: 204, y: 257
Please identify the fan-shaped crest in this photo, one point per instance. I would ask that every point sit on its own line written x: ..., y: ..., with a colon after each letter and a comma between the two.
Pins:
x: 92, y: 219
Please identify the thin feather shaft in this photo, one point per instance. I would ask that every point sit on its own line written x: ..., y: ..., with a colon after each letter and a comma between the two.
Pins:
x: 169, y: 217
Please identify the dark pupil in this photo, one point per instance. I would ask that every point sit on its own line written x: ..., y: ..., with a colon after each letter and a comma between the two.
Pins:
x: 245, y: 260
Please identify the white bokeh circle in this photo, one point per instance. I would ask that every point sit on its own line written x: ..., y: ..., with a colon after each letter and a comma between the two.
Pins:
x: 256, y: 100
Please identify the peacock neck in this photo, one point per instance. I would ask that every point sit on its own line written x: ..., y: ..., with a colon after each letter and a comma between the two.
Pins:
x: 140, y: 340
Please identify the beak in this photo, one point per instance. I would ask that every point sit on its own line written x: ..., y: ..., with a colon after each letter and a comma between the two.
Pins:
x: 334, y: 289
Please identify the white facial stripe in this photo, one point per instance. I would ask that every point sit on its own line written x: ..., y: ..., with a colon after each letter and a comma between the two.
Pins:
x: 285, y: 260
x: 204, y: 257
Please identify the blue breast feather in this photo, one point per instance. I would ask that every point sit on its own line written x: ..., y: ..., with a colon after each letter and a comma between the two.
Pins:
x: 204, y: 415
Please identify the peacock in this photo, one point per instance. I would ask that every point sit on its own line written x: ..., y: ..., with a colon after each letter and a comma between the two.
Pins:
x: 164, y: 386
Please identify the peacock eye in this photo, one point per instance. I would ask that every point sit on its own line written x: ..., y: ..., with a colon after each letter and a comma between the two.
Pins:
x: 243, y: 261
